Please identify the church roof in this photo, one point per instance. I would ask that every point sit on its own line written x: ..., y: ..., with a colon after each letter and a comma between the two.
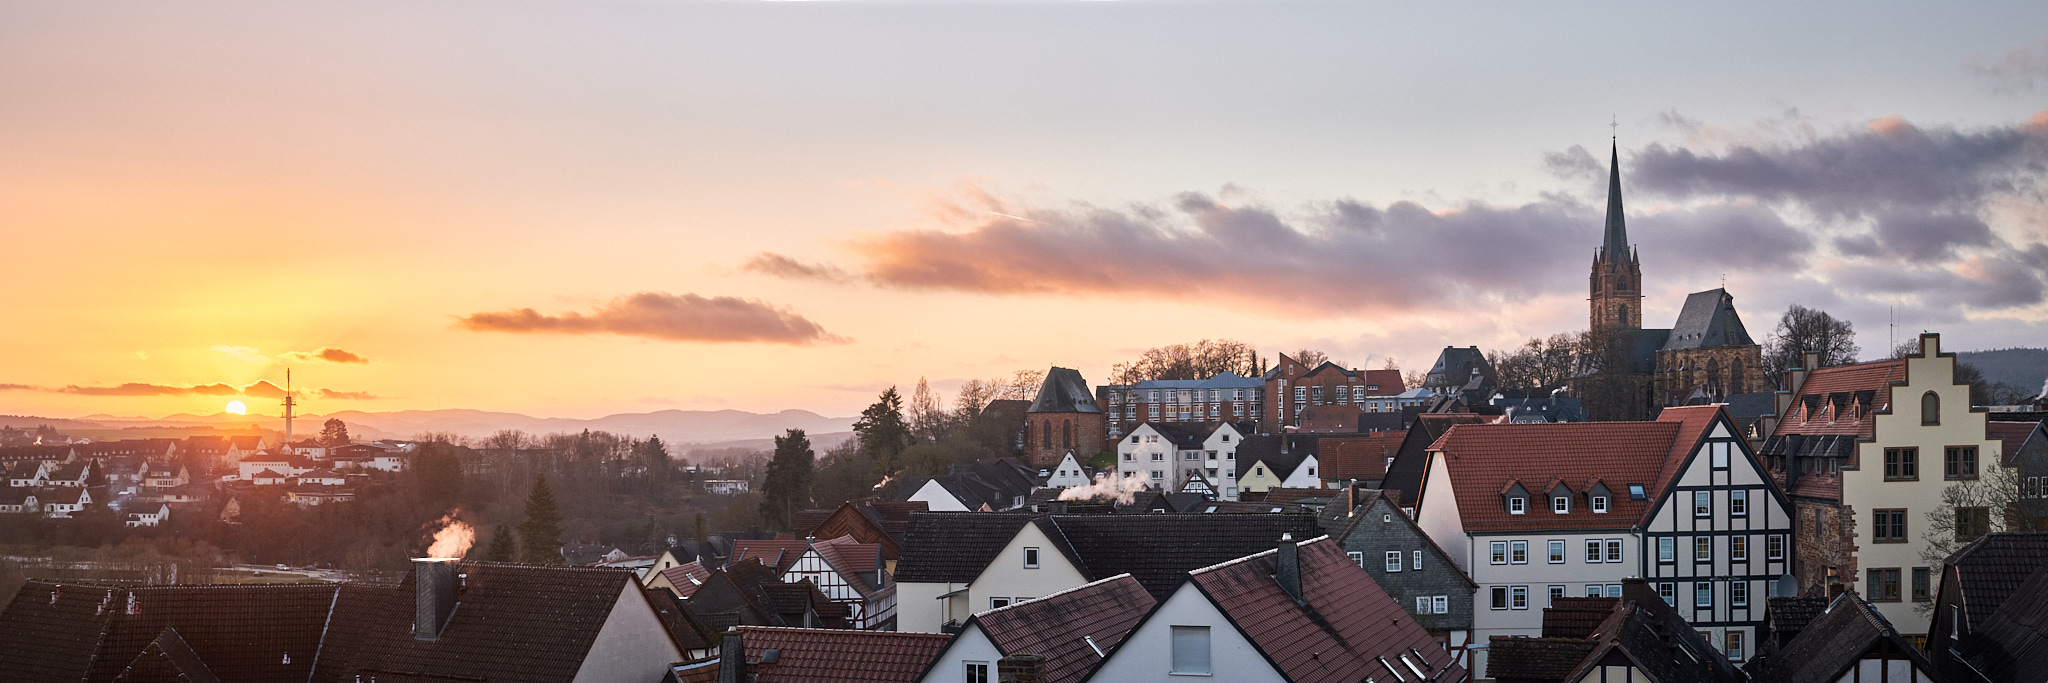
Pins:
x: 1708, y: 319
x: 1615, y: 246
x: 1064, y: 391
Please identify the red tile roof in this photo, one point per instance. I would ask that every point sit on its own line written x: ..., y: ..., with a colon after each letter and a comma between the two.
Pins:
x: 1059, y: 626
x: 1389, y: 382
x: 1486, y: 459
x: 1842, y: 379
x: 1339, y: 632
x: 680, y: 576
x: 813, y: 654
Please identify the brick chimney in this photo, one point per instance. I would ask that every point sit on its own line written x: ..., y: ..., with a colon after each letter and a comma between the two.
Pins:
x: 1020, y: 668
x: 434, y: 584
x: 1287, y: 567
x: 732, y: 658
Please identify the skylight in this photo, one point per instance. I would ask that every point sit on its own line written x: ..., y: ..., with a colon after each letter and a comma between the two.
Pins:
x: 1635, y: 492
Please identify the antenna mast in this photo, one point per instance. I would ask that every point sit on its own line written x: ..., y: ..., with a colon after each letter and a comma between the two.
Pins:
x: 289, y: 403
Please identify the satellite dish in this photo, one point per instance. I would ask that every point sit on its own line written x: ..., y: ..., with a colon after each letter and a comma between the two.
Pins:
x: 1788, y: 586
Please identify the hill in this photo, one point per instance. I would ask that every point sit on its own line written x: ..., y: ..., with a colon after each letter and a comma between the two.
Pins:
x: 703, y: 427
x: 2022, y: 367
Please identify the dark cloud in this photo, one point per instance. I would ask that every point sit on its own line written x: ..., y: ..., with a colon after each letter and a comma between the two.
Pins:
x: 16, y: 387
x: 657, y: 315
x: 329, y: 354
x: 1719, y: 237
x: 2022, y: 69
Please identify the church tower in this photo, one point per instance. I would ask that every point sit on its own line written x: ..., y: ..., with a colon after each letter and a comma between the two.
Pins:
x: 1617, y: 282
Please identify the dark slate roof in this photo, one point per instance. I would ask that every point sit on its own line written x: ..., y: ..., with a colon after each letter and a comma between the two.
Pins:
x: 1267, y: 448
x: 1453, y: 368
x: 1614, y: 243
x: 690, y: 632
x: 72, y: 632
x: 1064, y: 391
x: 1746, y: 409
x: 1788, y: 616
x: 511, y: 623
x: 1562, y: 409
x: 1660, y: 643
x: 2014, y: 641
x: 942, y: 547
x: 1708, y: 320
x: 1992, y: 567
x: 1159, y: 550
x: 1569, y: 617
x: 168, y: 658
x: 1643, y: 346
x: 1059, y: 626
x: 1512, y: 658
x: 1832, y: 643
x: 995, y: 483
x: 1404, y: 476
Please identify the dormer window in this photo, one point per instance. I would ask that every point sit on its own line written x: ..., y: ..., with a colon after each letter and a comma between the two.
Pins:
x: 1560, y: 505
x: 1516, y: 505
x: 1599, y: 505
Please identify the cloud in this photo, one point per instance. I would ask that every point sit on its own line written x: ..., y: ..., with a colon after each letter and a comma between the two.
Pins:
x: 788, y: 268
x: 686, y: 317
x: 2022, y: 69
x: 241, y: 353
x: 327, y: 353
x: 16, y: 387
x: 346, y: 395
x: 261, y: 389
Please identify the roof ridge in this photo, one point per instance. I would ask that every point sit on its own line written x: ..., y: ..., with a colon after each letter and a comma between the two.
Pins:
x: 1275, y: 549
x: 1056, y: 594
x: 849, y: 631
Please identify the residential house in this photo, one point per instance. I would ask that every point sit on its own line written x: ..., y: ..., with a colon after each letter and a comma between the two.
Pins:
x: 77, y: 473
x: 1070, y: 631
x: 1226, y: 397
x: 1891, y: 436
x: 1295, y: 387
x: 1165, y: 452
x: 1405, y: 562
x: 867, y: 521
x: 801, y: 655
x: 250, y: 468
x: 166, y: 476
x: 1360, y: 460
x: 2025, y: 447
x: 1545, y: 510
x: 986, y: 486
x: 1278, y: 461
x: 19, y: 500
x: 319, y: 477
x: 2010, y: 644
x: 149, y: 517
x: 269, y: 477
x: 1293, y: 613
x: 1063, y: 417
x: 1462, y: 374
x: 776, y: 554
x: 1850, y: 641
x: 1070, y: 472
x: 305, y: 496
x: 725, y: 487
x: 746, y: 592
x: 73, y: 632
x: 1637, y: 637
x: 1404, y: 473
x: 853, y: 574
x: 954, y: 567
x: 59, y: 502
x: 1976, y: 581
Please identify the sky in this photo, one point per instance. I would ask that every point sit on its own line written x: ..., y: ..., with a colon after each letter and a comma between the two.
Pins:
x: 583, y: 208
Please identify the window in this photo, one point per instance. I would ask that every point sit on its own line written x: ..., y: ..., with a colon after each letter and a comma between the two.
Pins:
x: 1500, y: 597
x: 1719, y: 451
x: 1592, y: 550
x: 1920, y: 585
x: 1191, y: 455
x: 1159, y: 475
x: 977, y: 672
x: 1418, y: 561
x: 1635, y: 492
x: 1393, y: 561
x: 1440, y: 604
x: 1959, y: 462
x: 1902, y: 464
x: 1599, y: 505
x: 1738, y: 503
x: 1738, y: 548
x: 1557, y: 552
x: 1738, y: 594
x: 1030, y: 558
x: 1500, y: 551
x: 1734, y: 649
x: 1515, y: 505
x: 1130, y: 456
x: 1518, y: 597
x: 1774, y: 547
x: 1669, y: 592
x: 1702, y: 503
x: 1560, y: 505
x: 1191, y: 650
x: 1159, y: 457
x: 1972, y: 523
x: 1592, y: 590
x: 1889, y: 526
x: 1883, y: 585
x: 1357, y: 557
x: 1555, y: 593
x: 1613, y: 590
x: 995, y: 603
x: 1518, y: 552
x: 1703, y: 594
x: 1614, y: 550
x: 1421, y: 604
x: 1703, y: 549
x: 1930, y: 409
x: 1667, y: 550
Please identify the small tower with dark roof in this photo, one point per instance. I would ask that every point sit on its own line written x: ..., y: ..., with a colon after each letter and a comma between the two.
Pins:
x: 1617, y: 281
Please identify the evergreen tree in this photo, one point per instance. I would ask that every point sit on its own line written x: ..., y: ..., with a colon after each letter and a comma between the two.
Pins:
x: 656, y: 454
x: 883, y: 434
x: 503, y: 547
x: 787, y: 485
x: 540, y: 536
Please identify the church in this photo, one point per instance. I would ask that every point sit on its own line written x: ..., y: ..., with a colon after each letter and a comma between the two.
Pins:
x: 1705, y: 357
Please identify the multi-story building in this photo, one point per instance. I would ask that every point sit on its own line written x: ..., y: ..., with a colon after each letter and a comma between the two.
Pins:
x: 1383, y: 541
x: 1294, y: 387
x: 1887, y: 439
x: 1535, y: 511
x: 1227, y: 397
x: 1166, y: 452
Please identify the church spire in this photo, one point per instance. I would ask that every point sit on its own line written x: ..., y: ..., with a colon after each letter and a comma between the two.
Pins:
x: 1616, y: 245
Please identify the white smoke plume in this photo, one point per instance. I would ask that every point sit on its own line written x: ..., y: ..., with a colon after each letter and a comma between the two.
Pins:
x: 1123, y: 489
x: 454, y: 538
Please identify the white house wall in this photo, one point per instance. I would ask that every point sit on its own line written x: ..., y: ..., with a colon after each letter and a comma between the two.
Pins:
x: 1768, y: 515
x: 920, y: 609
x: 1147, y: 653
x: 633, y: 644
x: 1438, y: 515
x: 1538, y: 574
x: 937, y: 498
x: 1068, y: 474
x: 971, y: 645
x: 1006, y: 576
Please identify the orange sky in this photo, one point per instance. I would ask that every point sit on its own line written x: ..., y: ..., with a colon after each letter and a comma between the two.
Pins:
x: 190, y: 194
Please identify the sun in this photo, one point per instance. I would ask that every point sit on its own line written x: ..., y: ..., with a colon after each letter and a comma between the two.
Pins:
x: 237, y: 408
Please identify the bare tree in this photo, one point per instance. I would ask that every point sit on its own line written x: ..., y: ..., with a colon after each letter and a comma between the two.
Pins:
x: 1804, y: 329
x: 1972, y: 508
x: 1021, y: 385
x: 1309, y: 358
x: 1199, y: 360
x: 1541, y: 364
x: 927, y: 420
x: 509, y: 439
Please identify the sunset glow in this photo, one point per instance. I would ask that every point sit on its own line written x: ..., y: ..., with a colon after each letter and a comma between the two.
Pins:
x: 236, y: 407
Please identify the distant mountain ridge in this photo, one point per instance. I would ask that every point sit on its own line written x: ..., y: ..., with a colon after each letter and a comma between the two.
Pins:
x: 2021, y: 367
x: 673, y: 426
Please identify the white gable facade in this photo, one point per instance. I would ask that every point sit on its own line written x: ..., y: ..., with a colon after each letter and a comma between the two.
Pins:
x: 937, y: 499
x: 1069, y: 473
x: 1211, y: 647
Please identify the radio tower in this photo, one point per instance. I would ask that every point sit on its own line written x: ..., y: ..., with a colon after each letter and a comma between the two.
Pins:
x: 289, y: 403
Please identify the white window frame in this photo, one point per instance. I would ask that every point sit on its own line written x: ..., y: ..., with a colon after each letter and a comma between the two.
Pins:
x: 1497, y: 552
x: 1738, y: 503
x: 1667, y: 550
x: 1560, y: 505
x: 977, y: 672
x: 1190, y: 650
x: 1030, y: 557
x: 1518, y: 597
x: 1440, y: 604
x: 1418, y: 560
x: 1738, y: 548
x: 1517, y: 505
x: 1738, y: 594
x: 1393, y: 562
x: 1703, y: 510
x: 1357, y: 557
x: 1774, y: 547
x: 1703, y: 594
x: 1518, y: 552
x: 1599, y: 505
x: 1555, y: 593
x: 1594, y: 555
x: 1556, y: 548
x: 1614, y: 550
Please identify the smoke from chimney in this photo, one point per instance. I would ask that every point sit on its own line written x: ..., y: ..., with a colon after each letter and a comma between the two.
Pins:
x: 453, y: 539
x: 1124, y: 489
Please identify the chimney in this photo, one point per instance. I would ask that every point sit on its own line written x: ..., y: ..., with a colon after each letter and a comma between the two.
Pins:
x: 1287, y: 569
x: 1020, y: 668
x: 732, y: 658
x: 881, y: 567
x: 434, y: 582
